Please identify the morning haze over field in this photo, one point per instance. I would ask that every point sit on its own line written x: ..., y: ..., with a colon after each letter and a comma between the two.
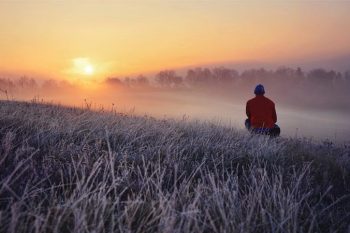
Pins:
x: 199, y: 59
x: 170, y: 116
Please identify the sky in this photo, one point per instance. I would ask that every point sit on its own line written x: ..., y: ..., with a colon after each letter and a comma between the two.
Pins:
x: 81, y: 39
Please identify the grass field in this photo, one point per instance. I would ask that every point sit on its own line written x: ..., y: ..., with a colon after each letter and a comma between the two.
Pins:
x: 68, y: 169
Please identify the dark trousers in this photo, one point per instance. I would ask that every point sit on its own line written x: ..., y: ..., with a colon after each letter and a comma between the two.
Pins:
x: 273, y: 132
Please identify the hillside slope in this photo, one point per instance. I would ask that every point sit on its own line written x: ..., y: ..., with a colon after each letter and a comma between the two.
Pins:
x: 75, y: 170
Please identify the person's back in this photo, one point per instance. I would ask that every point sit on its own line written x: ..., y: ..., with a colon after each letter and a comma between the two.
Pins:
x: 261, y: 113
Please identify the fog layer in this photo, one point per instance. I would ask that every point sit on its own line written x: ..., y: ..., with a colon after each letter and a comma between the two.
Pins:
x: 314, y: 104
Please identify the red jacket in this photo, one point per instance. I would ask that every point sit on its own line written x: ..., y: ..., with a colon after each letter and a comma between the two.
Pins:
x: 261, y: 112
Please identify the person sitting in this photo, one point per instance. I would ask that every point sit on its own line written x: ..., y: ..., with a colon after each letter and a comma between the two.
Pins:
x: 261, y: 114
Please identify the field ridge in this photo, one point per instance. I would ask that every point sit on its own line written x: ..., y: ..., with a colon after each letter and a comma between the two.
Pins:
x: 66, y: 169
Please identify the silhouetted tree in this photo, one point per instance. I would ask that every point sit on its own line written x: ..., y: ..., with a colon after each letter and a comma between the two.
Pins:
x: 347, y: 79
x: 7, y: 84
x: 347, y: 75
x: 142, y: 80
x: 321, y: 77
x: 299, y: 73
x: 49, y: 85
x: 224, y: 75
x: 168, y: 78
x: 250, y: 78
x: 26, y: 83
x: 199, y: 77
x: 113, y: 81
x: 134, y: 81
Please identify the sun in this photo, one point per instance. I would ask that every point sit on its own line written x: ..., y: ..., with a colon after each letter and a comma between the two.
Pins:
x: 89, y: 69
x: 83, y: 66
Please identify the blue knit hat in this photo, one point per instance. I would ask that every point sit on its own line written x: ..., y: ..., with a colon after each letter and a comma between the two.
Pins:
x: 259, y: 90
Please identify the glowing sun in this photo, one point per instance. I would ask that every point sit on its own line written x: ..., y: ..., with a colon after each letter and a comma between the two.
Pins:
x: 83, y: 66
x: 89, y: 69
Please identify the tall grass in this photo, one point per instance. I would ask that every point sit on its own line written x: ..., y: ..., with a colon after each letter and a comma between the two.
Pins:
x: 76, y: 170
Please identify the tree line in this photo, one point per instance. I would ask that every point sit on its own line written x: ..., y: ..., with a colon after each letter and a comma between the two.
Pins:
x: 221, y: 76
x: 291, y: 85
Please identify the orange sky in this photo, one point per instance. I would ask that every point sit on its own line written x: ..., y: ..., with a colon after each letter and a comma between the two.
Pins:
x: 68, y: 39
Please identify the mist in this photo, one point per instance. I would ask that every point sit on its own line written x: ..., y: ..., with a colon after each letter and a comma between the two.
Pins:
x: 313, y: 104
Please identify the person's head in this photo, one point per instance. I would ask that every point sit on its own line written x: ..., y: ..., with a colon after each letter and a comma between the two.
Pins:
x: 259, y: 90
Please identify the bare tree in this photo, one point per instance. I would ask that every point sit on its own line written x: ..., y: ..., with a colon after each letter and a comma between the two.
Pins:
x: 168, y: 78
